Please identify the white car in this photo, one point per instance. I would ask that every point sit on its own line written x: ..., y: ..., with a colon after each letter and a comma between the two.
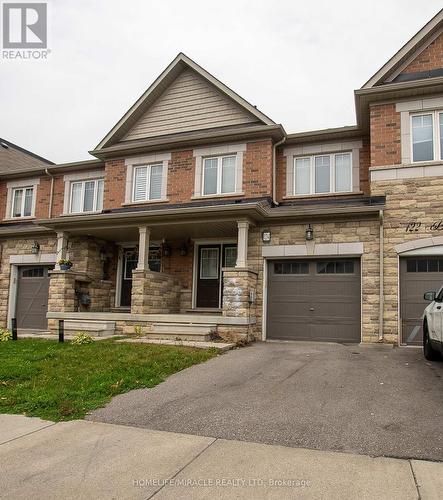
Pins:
x: 433, y: 326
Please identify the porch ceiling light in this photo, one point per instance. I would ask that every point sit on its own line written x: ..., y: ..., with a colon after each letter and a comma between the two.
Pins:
x: 35, y: 248
x: 309, y: 235
x: 266, y: 236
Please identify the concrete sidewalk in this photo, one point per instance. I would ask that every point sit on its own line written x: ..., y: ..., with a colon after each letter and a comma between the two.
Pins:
x: 84, y: 460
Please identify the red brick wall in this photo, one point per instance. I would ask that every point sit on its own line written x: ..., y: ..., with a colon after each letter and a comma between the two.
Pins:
x: 58, y: 197
x: 257, y: 175
x: 280, y: 175
x: 178, y: 265
x: 181, y: 174
x: 3, y: 195
x: 385, y: 135
x: 430, y: 58
x: 114, y: 188
x: 257, y: 169
x: 365, y: 163
x: 42, y: 198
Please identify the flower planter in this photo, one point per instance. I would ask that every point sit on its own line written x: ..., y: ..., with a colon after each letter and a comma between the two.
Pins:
x: 65, y: 267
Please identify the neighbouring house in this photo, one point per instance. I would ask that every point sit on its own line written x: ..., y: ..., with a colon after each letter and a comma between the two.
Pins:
x: 201, y: 215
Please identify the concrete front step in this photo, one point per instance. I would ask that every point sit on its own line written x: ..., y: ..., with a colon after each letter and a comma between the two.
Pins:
x: 223, y: 346
x: 94, y: 328
x: 183, y: 331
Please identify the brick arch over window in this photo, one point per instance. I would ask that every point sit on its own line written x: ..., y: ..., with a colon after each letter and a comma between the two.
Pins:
x: 421, y: 243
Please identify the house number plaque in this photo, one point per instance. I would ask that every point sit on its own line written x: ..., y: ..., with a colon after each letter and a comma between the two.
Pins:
x: 415, y: 226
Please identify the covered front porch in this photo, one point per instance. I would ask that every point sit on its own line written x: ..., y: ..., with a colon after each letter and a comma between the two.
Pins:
x: 187, y: 279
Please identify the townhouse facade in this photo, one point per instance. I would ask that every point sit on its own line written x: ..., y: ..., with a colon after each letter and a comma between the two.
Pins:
x: 201, y: 216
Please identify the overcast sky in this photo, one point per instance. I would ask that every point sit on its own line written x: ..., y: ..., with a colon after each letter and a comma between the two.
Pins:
x: 299, y: 62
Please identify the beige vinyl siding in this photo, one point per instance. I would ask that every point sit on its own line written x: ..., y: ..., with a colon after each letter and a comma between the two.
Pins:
x: 190, y: 103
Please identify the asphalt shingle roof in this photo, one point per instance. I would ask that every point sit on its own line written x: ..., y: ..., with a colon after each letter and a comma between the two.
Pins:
x: 15, y: 159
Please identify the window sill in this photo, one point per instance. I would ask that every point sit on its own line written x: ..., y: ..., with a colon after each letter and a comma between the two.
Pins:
x: 209, y: 196
x: 81, y: 213
x: 321, y: 195
x: 145, y: 202
x: 408, y: 165
x: 18, y: 219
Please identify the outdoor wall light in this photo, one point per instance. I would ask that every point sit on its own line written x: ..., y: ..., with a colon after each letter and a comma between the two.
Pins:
x: 166, y: 249
x: 103, y: 255
x: 309, y: 233
x: 35, y: 248
x: 183, y: 249
x: 266, y: 236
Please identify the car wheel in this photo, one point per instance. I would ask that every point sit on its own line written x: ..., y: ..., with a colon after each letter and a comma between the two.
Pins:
x: 429, y: 352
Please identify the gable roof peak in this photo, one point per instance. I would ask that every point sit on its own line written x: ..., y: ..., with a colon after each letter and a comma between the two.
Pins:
x: 421, y: 39
x: 180, y: 63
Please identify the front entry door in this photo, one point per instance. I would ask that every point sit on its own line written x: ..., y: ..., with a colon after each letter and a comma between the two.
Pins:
x: 130, y: 260
x: 211, y: 260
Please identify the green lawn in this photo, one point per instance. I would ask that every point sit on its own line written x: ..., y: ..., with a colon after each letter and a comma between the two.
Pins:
x: 55, y: 381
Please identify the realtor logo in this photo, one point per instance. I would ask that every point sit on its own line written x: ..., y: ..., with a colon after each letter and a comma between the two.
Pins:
x: 25, y: 26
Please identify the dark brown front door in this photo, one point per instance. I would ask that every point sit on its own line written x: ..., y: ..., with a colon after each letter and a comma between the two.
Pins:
x: 211, y: 260
x: 417, y: 276
x: 314, y: 300
x: 130, y: 260
x: 208, y: 279
x: 32, y: 297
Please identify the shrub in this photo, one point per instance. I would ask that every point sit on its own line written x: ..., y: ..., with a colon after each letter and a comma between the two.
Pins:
x: 82, y: 338
x: 138, y: 330
x: 5, y: 335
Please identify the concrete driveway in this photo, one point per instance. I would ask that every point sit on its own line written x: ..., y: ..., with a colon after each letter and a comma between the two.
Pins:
x: 371, y: 400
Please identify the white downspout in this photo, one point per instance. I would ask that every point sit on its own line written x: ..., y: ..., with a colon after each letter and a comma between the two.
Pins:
x: 274, y: 169
x: 381, y: 301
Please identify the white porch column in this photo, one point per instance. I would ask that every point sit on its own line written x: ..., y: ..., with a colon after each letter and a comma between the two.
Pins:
x: 143, y: 248
x: 242, y: 244
x: 62, y: 247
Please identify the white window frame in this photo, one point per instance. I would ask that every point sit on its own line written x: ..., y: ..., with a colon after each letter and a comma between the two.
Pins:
x: 22, y: 207
x: 437, y: 153
x: 219, y: 159
x: 23, y: 183
x: 83, y: 183
x: 148, y: 181
x: 311, y: 159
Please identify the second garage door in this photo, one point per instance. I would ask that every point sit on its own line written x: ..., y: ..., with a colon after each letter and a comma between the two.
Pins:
x: 314, y: 300
x: 417, y: 276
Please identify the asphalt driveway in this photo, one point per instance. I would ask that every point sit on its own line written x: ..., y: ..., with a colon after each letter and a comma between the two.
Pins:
x: 372, y: 400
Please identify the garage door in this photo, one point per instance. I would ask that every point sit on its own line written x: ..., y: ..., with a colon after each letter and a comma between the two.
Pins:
x: 417, y: 276
x: 32, y: 297
x: 314, y: 300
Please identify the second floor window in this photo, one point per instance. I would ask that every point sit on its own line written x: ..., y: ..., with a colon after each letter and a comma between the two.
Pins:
x: 87, y: 196
x: 219, y: 175
x: 22, y: 202
x: 427, y: 136
x: 148, y: 182
x: 323, y: 174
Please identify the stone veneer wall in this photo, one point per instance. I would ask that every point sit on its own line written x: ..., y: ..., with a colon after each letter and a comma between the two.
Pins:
x: 237, y: 285
x: 155, y: 293
x: 407, y: 200
x: 85, y: 255
x: 351, y: 230
x: 17, y: 246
